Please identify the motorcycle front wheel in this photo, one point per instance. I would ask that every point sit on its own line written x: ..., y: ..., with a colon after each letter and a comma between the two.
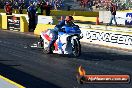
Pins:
x: 76, y: 48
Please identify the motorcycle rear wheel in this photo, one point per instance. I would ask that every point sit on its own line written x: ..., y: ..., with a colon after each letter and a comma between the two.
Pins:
x: 46, y: 50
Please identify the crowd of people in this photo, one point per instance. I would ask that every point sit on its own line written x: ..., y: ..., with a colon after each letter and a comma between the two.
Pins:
x: 39, y: 6
x: 33, y: 10
x: 56, y: 4
x: 105, y: 4
x: 59, y: 4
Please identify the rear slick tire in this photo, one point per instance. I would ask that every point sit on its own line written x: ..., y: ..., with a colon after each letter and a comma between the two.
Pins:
x: 45, y: 50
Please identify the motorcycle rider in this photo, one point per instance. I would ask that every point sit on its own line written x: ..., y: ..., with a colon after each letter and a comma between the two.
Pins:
x: 68, y: 21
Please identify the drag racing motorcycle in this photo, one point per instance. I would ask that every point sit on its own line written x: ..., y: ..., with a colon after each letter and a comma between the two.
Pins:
x: 68, y: 41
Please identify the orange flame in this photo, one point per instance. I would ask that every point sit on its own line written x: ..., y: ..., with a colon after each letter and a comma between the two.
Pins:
x: 82, y: 72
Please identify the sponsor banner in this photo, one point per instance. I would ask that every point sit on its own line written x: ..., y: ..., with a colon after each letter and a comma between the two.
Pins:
x: 120, y: 18
x: 107, y: 78
x: 17, y: 23
x: 10, y: 23
x: 129, y: 19
x: 123, y: 18
x: 13, y: 23
x: 107, y: 38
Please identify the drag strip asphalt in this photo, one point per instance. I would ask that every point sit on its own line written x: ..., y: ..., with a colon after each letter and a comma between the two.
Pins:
x: 32, y: 68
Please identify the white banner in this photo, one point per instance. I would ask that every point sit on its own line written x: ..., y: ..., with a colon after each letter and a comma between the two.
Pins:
x: 124, y: 18
x: 107, y: 38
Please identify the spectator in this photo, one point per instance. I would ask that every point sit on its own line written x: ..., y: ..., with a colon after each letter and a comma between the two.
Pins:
x: 8, y: 9
x: 42, y: 4
x: 68, y: 8
x: 15, y: 5
x: 55, y: 4
x: 83, y: 3
x: 90, y: 4
x: 31, y: 11
x: 113, y: 13
x: 2, y: 4
x: 47, y: 9
x: 21, y: 9
x: 38, y: 9
x: 38, y: 12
